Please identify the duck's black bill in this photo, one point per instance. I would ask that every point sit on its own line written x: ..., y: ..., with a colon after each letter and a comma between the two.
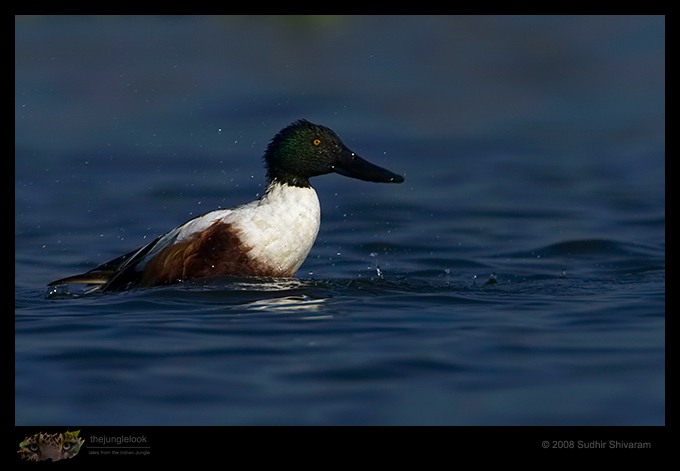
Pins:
x: 351, y: 165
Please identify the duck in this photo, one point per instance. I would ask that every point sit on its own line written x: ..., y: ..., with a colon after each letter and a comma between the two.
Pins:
x: 268, y: 237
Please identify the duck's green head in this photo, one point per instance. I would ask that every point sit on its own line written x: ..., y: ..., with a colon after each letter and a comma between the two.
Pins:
x: 303, y: 150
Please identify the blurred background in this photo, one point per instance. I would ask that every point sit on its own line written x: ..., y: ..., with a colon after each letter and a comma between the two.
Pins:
x: 496, y: 113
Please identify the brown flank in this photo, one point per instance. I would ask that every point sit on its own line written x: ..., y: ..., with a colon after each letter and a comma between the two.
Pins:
x: 216, y: 251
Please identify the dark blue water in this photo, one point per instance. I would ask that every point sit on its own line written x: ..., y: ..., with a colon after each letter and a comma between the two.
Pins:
x: 516, y: 277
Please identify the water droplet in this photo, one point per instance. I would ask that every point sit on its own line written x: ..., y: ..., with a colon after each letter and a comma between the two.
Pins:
x: 492, y: 280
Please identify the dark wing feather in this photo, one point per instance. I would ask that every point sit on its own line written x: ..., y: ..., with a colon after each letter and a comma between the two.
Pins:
x: 114, y: 275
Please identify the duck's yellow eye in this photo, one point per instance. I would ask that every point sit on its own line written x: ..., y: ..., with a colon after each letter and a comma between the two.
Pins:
x: 316, y: 142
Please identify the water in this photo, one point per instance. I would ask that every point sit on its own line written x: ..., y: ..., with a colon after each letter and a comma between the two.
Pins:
x: 516, y: 277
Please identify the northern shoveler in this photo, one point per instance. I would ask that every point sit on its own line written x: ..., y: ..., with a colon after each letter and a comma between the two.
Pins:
x: 270, y: 236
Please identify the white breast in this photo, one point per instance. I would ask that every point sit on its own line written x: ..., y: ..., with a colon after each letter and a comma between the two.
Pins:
x: 281, y: 227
